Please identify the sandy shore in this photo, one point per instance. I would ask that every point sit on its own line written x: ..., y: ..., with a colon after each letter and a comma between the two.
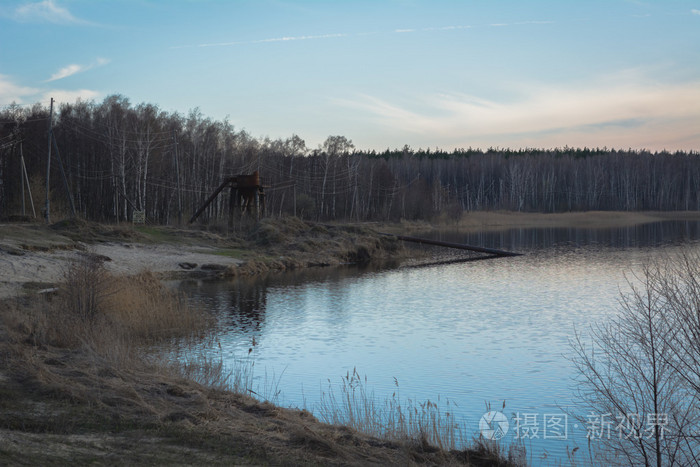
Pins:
x: 39, y: 269
x: 35, y: 256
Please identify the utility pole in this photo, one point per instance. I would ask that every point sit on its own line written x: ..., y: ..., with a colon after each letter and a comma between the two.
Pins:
x: 21, y: 175
x: 47, y: 213
x: 177, y: 174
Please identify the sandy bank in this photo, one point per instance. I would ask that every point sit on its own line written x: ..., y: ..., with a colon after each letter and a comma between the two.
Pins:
x: 19, y: 267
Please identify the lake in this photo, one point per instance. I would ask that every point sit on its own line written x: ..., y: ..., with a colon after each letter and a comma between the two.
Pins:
x: 475, y: 334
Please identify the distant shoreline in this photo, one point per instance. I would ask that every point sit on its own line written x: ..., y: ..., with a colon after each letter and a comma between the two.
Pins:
x: 479, y: 221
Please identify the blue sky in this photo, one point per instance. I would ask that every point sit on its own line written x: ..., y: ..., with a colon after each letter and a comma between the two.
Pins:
x: 384, y: 73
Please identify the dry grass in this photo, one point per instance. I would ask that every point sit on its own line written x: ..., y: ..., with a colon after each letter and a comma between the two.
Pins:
x: 296, y: 243
x: 111, y: 316
x: 150, y: 312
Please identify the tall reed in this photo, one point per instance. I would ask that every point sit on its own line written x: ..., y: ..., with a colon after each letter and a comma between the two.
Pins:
x: 391, y: 418
x: 211, y: 369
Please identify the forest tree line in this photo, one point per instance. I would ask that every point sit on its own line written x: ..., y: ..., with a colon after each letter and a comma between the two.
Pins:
x: 118, y: 157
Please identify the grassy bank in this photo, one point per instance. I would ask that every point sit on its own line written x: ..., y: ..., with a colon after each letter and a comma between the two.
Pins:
x: 81, y: 384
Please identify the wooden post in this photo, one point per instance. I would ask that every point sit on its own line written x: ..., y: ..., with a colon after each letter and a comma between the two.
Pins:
x: 256, y: 202
x: 210, y: 199
x: 231, y: 205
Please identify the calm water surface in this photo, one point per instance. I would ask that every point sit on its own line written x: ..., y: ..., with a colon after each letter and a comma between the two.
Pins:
x: 473, y: 333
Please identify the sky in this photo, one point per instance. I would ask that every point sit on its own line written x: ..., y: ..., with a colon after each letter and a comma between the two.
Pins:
x: 383, y: 73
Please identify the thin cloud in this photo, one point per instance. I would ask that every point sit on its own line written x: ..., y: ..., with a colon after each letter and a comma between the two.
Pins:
x: 67, y: 71
x: 387, y: 113
x: 519, y: 23
x: 630, y: 114
x: 446, y: 28
x: 695, y: 12
x: 46, y: 11
x: 11, y: 92
x: 74, y: 69
x: 261, y: 41
x: 360, y: 34
x: 299, y: 38
x: 69, y: 97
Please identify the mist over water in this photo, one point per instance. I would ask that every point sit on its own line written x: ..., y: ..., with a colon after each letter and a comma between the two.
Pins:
x: 474, y: 334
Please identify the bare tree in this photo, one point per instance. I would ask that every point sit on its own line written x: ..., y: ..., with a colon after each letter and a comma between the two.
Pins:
x: 638, y: 376
x: 333, y: 148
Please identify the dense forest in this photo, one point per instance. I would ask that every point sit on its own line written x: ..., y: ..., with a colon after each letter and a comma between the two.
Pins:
x: 114, y: 157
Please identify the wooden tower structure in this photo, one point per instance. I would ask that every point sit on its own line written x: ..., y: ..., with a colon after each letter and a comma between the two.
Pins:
x: 246, y: 194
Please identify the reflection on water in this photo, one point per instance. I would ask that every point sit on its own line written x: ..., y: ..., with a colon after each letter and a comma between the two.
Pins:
x: 241, y: 303
x: 475, y: 333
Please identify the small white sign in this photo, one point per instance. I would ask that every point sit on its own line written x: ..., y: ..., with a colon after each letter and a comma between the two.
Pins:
x: 139, y: 217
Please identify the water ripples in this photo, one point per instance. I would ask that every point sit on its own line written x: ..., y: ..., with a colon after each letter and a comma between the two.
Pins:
x: 477, y: 333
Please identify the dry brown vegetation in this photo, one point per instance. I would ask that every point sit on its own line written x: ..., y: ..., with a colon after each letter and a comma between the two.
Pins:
x: 292, y: 242
x: 81, y: 383
x: 106, y: 314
